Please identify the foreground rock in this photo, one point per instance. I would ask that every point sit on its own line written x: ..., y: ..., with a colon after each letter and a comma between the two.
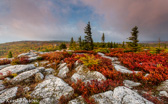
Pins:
x: 131, y: 84
x: 52, y: 87
x: 78, y: 100
x: 104, y: 98
x: 25, y: 75
x: 8, y: 94
x: 16, y: 69
x: 163, y: 86
x: 125, y: 95
x: 63, y: 70
x: 84, y: 74
x: 3, y: 66
x: 20, y: 101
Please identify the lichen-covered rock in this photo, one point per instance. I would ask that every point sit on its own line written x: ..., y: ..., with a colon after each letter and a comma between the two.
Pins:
x: 163, y: 93
x: 163, y: 86
x: 78, y: 100
x: 86, y: 75
x: 61, y: 65
x: 131, y: 84
x: 48, y: 71
x: 52, y: 87
x: 3, y: 66
x: 16, y: 69
x: 26, y: 75
x: 104, y: 98
x: 39, y: 77
x: 2, y: 87
x: 63, y: 72
x: 8, y: 94
x: 48, y: 101
x: 20, y: 101
x: 125, y: 95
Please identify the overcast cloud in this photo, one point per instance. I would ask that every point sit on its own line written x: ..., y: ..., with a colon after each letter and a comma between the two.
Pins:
x: 62, y: 19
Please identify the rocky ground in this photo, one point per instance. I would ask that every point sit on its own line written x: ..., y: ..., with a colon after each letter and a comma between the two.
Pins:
x: 38, y: 82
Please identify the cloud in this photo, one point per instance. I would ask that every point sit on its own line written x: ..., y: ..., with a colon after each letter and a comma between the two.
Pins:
x: 151, y: 16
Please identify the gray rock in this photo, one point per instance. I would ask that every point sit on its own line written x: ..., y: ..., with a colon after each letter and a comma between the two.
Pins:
x: 63, y: 71
x: 61, y: 65
x: 3, y: 66
x: 26, y: 75
x: 104, y: 98
x: 123, y: 69
x: 48, y: 101
x: 2, y: 87
x: 1, y: 82
x: 125, y: 95
x: 163, y: 86
x: 20, y: 101
x: 131, y: 84
x: 26, y: 89
x: 39, y: 77
x: 8, y: 94
x: 17, y: 69
x: 86, y: 75
x: 78, y: 100
x: 163, y: 93
x: 49, y: 71
x: 52, y: 87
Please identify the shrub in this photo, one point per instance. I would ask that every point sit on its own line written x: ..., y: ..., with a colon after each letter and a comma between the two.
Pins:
x: 103, y: 50
x: 88, y: 60
x: 5, y: 61
x: 20, y: 60
x: 62, y: 46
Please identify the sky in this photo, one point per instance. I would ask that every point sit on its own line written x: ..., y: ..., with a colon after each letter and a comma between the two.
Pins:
x: 63, y: 19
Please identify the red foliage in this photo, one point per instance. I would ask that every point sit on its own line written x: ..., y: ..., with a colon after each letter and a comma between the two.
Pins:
x: 20, y: 60
x: 70, y: 61
x: 5, y: 61
x: 94, y: 87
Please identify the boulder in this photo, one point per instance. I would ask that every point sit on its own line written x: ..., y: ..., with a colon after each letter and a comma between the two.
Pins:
x: 131, y: 84
x: 52, y: 87
x: 48, y: 71
x: 61, y: 65
x: 104, y: 98
x: 123, y: 69
x: 163, y: 86
x: 163, y: 93
x: 125, y: 95
x: 39, y: 77
x: 63, y: 71
x: 3, y: 66
x: 8, y: 94
x: 78, y: 100
x: 86, y: 75
x: 26, y: 75
x: 20, y: 101
x: 48, y: 101
x: 16, y: 69
x: 2, y: 87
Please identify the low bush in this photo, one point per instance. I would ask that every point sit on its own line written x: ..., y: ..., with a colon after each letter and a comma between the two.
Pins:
x: 20, y: 60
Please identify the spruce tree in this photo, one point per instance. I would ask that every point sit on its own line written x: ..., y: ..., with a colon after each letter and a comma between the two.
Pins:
x: 103, y: 39
x: 88, y: 38
x: 80, y: 42
x: 71, y: 43
x: 134, y: 39
x: 10, y: 54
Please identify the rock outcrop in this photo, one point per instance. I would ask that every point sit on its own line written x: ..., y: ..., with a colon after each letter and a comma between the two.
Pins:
x: 52, y: 87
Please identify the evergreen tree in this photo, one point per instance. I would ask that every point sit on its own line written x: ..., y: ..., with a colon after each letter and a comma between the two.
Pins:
x: 71, y: 43
x: 62, y: 46
x: 80, y: 42
x: 103, y: 39
x: 123, y: 44
x: 10, y: 54
x: 165, y: 46
x: 88, y: 38
x: 134, y: 39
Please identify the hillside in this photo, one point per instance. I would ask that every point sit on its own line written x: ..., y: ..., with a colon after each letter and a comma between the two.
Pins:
x: 24, y: 46
x: 84, y: 77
